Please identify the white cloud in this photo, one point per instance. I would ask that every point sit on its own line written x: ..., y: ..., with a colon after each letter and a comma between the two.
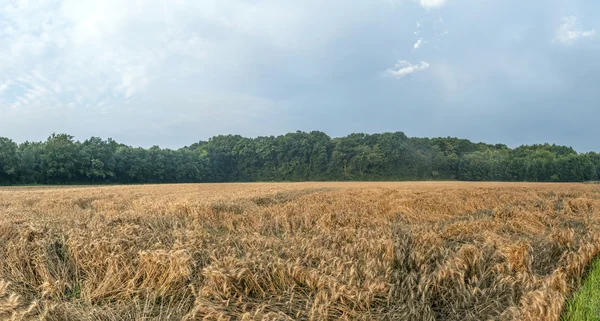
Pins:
x: 403, y: 68
x: 432, y: 4
x: 419, y: 43
x: 5, y: 86
x: 140, y: 58
x: 112, y: 51
x: 427, y: 4
x: 59, y: 50
x: 570, y: 31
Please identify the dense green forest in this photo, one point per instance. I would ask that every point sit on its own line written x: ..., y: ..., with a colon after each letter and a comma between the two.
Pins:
x: 296, y: 156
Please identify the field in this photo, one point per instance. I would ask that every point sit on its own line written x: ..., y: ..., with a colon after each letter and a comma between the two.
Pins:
x: 306, y: 251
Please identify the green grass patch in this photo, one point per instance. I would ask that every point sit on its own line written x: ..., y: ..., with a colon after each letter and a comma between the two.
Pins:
x: 585, y: 304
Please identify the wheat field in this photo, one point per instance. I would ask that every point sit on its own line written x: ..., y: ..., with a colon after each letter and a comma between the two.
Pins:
x: 296, y: 251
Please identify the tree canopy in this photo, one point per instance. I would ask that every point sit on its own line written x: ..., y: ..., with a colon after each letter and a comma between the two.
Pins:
x: 299, y: 156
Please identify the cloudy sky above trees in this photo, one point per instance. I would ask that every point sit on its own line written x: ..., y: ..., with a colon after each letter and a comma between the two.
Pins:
x: 171, y: 72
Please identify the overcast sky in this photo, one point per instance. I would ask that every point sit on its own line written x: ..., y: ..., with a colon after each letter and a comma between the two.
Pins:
x: 172, y: 72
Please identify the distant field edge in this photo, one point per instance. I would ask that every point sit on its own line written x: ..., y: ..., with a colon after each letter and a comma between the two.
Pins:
x: 83, y: 184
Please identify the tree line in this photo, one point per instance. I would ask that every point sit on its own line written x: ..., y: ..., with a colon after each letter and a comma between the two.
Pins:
x: 299, y: 156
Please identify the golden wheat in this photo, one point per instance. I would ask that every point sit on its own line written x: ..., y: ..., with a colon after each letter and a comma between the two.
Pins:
x: 307, y: 251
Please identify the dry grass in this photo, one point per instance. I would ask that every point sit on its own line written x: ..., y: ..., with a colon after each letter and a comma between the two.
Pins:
x: 309, y: 251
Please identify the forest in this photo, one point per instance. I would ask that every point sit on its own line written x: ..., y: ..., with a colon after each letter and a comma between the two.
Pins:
x: 299, y: 156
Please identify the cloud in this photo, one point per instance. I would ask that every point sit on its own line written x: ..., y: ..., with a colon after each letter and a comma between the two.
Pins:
x: 570, y: 31
x: 58, y: 51
x: 419, y: 43
x: 123, y: 69
x: 427, y: 4
x: 403, y: 68
x: 5, y: 86
x: 136, y: 60
x: 432, y: 4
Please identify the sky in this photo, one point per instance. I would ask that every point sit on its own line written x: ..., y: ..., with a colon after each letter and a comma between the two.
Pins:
x: 173, y: 72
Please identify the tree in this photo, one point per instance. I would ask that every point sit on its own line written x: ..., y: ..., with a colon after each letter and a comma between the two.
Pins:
x: 59, y: 161
x: 297, y: 156
x: 222, y: 161
x: 575, y: 168
x: 595, y: 159
x: 345, y: 150
x: 97, y: 159
x: 132, y: 165
x: 475, y: 166
x: 30, y: 155
x: 539, y: 166
x: 9, y: 160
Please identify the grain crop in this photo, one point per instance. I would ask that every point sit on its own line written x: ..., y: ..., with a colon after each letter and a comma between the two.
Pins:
x: 296, y: 251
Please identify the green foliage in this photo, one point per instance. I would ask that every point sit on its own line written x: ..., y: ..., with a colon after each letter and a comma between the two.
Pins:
x: 8, y: 160
x: 585, y: 304
x: 299, y: 156
x: 59, y: 161
x: 97, y: 158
